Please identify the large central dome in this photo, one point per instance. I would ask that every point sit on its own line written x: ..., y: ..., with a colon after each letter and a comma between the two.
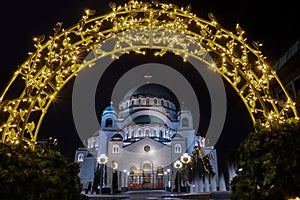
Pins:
x: 153, y: 90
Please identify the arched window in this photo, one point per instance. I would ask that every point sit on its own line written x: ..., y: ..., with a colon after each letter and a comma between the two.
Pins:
x: 90, y: 143
x: 155, y: 133
x: 132, y: 103
x: 147, y: 132
x: 140, y: 102
x: 140, y: 133
x: 147, y: 102
x: 177, y: 148
x: 161, y: 133
x: 160, y: 170
x: 185, y: 122
x: 108, y: 122
x: 80, y: 157
x: 116, y: 149
x: 147, y: 166
x: 155, y: 102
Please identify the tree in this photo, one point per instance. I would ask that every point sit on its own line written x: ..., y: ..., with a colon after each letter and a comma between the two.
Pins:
x: 270, y: 163
x: 200, y: 164
x: 40, y: 174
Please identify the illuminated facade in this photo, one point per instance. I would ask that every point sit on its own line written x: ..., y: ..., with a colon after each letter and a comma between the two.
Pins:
x: 288, y: 69
x: 142, y: 139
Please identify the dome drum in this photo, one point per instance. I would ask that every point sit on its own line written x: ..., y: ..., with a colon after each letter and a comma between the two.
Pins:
x: 151, y: 93
x: 146, y: 101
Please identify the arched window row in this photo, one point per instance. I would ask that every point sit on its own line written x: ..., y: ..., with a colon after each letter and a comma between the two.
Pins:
x: 92, y: 142
x: 147, y: 101
x: 149, y: 132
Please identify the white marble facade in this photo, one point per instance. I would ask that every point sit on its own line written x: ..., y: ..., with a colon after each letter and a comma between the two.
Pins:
x: 142, y: 137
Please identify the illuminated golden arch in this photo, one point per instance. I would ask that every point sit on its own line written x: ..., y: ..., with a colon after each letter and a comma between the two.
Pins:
x: 59, y: 59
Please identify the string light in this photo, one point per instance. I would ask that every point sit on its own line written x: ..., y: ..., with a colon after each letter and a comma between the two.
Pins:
x: 58, y: 59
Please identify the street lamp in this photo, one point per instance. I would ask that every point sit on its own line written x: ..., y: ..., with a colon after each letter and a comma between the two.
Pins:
x: 114, y: 165
x: 165, y: 180
x: 185, y: 159
x: 102, y: 160
x: 114, y: 178
x: 178, y: 166
x: 124, y: 182
x: 168, y: 180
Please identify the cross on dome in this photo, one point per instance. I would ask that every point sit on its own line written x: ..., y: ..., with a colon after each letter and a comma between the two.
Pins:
x: 147, y: 77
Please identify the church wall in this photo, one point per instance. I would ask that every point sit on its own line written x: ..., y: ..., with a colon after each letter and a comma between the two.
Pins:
x: 160, y: 158
x: 173, y: 129
x: 137, y: 153
x: 102, y: 143
x: 178, y: 148
x: 189, y: 135
x: 114, y: 154
x: 87, y: 164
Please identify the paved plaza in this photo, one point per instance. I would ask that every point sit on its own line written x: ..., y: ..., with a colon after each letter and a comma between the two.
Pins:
x: 163, y: 195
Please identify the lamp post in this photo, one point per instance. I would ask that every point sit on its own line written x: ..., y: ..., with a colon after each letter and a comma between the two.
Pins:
x: 114, y: 179
x: 124, y: 182
x: 178, y: 166
x: 102, y: 160
x: 165, y: 180
x: 168, y: 179
x: 185, y: 159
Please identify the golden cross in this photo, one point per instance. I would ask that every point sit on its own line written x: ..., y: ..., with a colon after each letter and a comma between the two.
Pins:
x: 148, y: 77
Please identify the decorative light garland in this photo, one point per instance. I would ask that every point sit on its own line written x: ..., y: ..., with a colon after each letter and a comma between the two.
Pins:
x: 61, y: 57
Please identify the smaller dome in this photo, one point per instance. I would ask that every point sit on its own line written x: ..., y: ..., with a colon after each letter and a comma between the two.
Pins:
x: 117, y: 137
x: 110, y: 109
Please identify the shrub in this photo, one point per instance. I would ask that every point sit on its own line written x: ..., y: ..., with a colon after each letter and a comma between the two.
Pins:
x: 270, y: 162
x: 40, y: 174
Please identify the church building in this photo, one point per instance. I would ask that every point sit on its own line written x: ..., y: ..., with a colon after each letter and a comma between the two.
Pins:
x: 140, y: 140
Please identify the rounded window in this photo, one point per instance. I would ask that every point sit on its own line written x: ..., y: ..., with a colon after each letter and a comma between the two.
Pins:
x: 147, y: 148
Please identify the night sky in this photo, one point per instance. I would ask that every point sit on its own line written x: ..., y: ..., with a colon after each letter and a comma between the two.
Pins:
x: 275, y: 25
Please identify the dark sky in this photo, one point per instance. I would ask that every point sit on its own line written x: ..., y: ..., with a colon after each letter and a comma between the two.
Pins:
x: 275, y: 25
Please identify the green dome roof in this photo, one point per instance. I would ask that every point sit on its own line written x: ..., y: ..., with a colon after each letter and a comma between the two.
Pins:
x: 109, y: 109
x: 148, y: 119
